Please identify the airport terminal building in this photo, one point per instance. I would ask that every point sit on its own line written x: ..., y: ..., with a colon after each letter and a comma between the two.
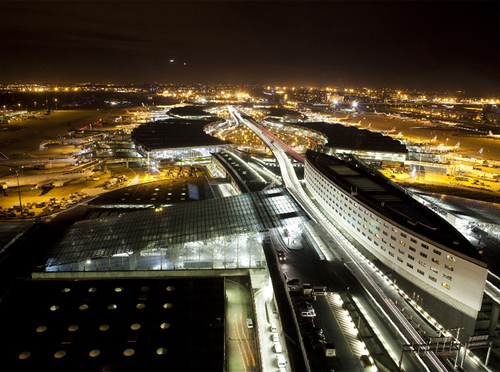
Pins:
x: 176, y: 140
x: 364, y: 143
x: 225, y: 233
x: 430, y: 258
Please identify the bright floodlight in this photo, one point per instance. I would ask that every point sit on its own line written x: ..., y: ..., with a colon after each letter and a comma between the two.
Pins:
x: 354, y: 104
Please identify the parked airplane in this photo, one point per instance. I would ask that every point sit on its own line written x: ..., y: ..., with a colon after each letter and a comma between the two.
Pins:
x: 46, y: 161
x: 56, y: 179
x: 353, y: 124
x: 74, y: 140
x: 387, y: 131
x: 491, y: 135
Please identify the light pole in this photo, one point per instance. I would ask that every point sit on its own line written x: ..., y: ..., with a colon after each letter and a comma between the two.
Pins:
x: 19, y: 192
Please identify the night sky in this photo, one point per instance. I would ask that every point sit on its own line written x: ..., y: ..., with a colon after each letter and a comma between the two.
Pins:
x: 402, y: 45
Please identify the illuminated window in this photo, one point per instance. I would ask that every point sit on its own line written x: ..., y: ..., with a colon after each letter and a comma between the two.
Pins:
x: 434, y: 269
x: 448, y: 267
x: 436, y: 261
x: 422, y: 263
x: 432, y: 278
x: 445, y: 285
x: 451, y: 258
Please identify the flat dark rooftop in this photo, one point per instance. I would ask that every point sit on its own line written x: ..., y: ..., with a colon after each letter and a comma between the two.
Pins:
x: 352, y: 138
x: 240, y: 171
x: 175, y: 133
x: 185, y: 317
x: 157, y: 193
x: 391, y: 201
x: 189, y: 111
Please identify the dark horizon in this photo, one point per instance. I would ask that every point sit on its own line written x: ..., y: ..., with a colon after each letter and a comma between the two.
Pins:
x: 429, y: 46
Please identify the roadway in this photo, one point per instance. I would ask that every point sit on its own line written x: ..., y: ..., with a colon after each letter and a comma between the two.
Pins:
x: 240, y: 340
x: 400, y: 329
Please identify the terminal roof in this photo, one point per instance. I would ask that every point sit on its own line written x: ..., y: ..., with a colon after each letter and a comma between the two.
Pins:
x: 475, y: 211
x: 178, y: 224
x: 352, y: 138
x: 174, y: 133
x: 156, y: 193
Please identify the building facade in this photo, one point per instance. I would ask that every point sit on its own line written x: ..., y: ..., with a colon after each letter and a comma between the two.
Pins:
x: 405, y: 236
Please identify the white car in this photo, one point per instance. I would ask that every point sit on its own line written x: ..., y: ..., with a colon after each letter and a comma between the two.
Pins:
x: 277, y: 347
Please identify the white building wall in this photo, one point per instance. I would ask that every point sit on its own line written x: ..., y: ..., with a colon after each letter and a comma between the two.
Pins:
x: 446, y: 274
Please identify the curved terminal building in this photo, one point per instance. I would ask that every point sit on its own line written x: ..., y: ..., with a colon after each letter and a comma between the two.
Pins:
x: 431, y: 260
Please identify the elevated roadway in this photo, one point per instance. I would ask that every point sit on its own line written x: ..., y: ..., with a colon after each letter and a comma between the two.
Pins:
x: 381, y: 304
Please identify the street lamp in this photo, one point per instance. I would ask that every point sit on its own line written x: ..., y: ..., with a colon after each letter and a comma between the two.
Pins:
x: 19, y: 192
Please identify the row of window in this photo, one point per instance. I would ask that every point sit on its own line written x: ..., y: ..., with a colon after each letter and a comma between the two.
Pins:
x: 334, y: 203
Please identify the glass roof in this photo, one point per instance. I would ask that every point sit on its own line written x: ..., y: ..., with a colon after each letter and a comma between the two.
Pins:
x: 178, y: 224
